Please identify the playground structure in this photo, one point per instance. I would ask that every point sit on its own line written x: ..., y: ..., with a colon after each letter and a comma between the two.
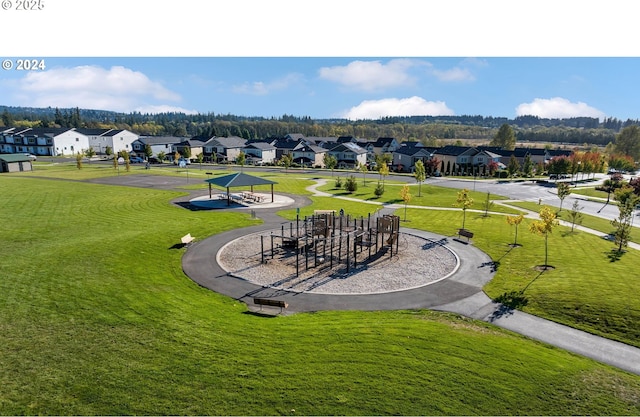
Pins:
x: 326, y: 240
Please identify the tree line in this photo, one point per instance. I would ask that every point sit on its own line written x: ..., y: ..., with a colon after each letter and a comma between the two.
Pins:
x: 428, y: 129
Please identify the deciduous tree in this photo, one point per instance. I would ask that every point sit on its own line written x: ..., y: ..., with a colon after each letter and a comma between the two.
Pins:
x: 575, y: 214
x: 505, y: 138
x: 406, y: 196
x: 515, y: 221
x: 627, y: 201
x: 544, y: 227
x: 420, y: 174
x: 465, y: 201
x: 563, y: 191
x: 330, y: 162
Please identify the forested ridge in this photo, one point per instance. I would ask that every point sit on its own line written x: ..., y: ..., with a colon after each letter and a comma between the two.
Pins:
x: 577, y: 130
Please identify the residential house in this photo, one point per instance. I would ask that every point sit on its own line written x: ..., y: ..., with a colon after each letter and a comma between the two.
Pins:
x: 223, y: 149
x: 284, y: 146
x: 260, y: 153
x: 43, y: 141
x: 406, y: 156
x: 309, y: 155
x: 116, y: 139
x: 191, y: 147
x: 537, y: 155
x: 158, y: 144
x: 349, y: 155
x: 385, y: 145
x: 455, y: 158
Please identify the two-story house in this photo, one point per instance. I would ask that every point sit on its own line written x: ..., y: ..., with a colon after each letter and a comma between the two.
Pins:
x: 43, y: 141
x: 406, y: 156
x: 116, y: 139
x: 260, y: 153
x: 349, y: 155
x: 309, y: 155
x: 164, y: 144
x: 223, y: 149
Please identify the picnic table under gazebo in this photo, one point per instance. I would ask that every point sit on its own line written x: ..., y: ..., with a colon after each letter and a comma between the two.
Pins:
x: 236, y: 180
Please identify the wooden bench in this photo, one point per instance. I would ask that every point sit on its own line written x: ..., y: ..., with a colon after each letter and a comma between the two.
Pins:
x: 465, y: 233
x: 270, y: 302
x: 186, y: 239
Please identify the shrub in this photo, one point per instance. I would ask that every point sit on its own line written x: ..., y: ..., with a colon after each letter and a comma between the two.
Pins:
x: 379, y: 190
x: 351, y: 185
x: 339, y: 182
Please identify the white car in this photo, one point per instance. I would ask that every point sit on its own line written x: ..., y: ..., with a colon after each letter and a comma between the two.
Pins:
x: 31, y: 156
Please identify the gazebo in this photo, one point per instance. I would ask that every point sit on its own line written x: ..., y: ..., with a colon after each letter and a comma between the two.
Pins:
x: 238, y: 180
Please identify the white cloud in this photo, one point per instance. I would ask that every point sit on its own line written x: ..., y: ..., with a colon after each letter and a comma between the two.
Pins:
x: 559, y: 108
x: 455, y: 74
x: 91, y: 87
x: 260, y: 88
x: 371, y: 75
x: 412, y: 106
x: 163, y: 108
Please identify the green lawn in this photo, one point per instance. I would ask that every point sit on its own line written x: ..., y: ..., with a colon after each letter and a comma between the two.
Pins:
x: 590, y: 192
x: 97, y: 318
x: 592, y: 222
x: 426, y: 195
x: 588, y: 289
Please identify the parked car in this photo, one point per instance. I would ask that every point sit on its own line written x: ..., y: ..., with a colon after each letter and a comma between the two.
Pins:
x: 181, y: 160
x: 154, y: 160
x: 136, y: 160
x: 31, y: 157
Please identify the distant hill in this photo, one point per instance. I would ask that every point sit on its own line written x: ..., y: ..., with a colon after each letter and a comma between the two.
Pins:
x: 576, y: 130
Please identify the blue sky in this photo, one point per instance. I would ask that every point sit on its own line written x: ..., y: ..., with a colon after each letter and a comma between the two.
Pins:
x: 355, y: 59
x: 354, y: 88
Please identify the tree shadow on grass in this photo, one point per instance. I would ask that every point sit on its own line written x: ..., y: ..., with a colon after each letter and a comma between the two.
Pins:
x: 614, y: 255
x: 511, y: 300
x: 508, y: 302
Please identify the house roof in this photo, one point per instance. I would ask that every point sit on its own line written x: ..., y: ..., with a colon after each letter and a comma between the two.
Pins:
x: 559, y: 152
x: 455, y: 150
x: 160, y: 140
x: 414, y: 150
x: 348, y: 147
x: 522, y: 152
x: 283, y: 143
x: 380, y: 142
x: 41, y: 131
x: 14, y: 157
x: 309, y: 148
x: 261, y: 145
x: 227, y: 142
x: 238, y: 179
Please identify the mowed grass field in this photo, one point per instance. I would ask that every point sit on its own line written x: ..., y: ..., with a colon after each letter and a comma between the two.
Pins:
x: 97, y: 318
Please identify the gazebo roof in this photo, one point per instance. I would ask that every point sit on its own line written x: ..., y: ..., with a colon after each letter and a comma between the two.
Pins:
x: 238, y: 180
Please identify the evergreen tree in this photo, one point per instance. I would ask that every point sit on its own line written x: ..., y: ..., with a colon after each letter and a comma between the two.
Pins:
x: 514, y: 167
x: 628, y: 142
x: 527, y: 166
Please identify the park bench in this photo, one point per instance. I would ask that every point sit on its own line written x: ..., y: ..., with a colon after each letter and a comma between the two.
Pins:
x: 270, y: 302
x: 465, y: 233
x: 186, y: 239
